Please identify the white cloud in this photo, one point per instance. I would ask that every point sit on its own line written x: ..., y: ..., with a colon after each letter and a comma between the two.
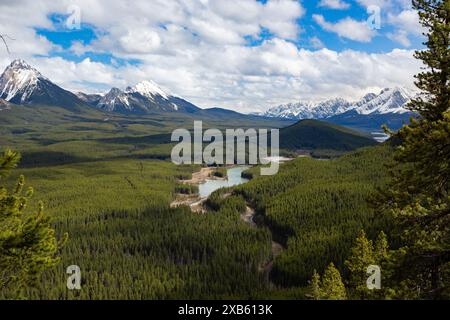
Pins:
x: 384, y: 4
x: 316, y: 43
x: 400, y: 37
x: 407, y: 25
x: 407, y: 20
x: 347, y: 28
x: 140, y: 41
x: 334, y: 4
x: 197, y: 50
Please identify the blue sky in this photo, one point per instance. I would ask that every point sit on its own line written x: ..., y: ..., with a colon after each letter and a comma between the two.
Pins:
x: 60, y: 35
x: 241, y: 54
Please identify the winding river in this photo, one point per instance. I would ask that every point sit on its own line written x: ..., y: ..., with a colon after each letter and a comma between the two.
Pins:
x: 233, y: 179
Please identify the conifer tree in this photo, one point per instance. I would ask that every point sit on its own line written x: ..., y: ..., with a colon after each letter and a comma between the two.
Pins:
x: 434, y: 82
x: 314, y: 287
x: 332, y: 286
x: 381, y: 248
x: 27, y: 242
x: 362, y: 256
x: 417, y: 196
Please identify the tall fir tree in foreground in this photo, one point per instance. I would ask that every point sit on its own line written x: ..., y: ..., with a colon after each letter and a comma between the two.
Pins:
x: 417, y: 196
x: 27, y: 242
x: 364, y: 254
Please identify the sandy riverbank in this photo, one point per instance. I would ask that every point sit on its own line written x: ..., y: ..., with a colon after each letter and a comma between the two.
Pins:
x: 194, y: 201
x: 201, y: 176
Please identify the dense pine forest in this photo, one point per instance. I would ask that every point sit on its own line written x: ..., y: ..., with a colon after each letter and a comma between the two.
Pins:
x: 129, y: 244
x: 316, y: 208
x: 103, y: 188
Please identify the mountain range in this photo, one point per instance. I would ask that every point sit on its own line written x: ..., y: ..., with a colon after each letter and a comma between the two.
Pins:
x: 20, y: 83
x: 370, y: 112
x: 387, y: 101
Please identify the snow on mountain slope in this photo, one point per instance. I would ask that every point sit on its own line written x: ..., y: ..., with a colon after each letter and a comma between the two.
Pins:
x: 19, y: 81
x: 149, y: 89
x: 144, y: 97
x: 387, y: 102
x: 115, y: 100
x: 22, y: 84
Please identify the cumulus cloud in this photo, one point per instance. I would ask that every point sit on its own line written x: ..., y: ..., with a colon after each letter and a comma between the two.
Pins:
x: 407, y: 20
x: 384, y: 4
x: 199, y: 50
x: 316, y: 43
x: 401, y: 37
x: 407, y: 25
x: 347, y: 28
x: 334, y: 4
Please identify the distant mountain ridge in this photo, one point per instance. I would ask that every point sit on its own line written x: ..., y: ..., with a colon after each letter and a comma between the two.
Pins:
x: 20, y: 83
x: 144, y: 97
x: 368, y: 114
x: 389, y: 100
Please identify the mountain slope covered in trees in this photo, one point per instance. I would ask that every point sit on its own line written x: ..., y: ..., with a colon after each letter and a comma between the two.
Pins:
x: 314, y: 134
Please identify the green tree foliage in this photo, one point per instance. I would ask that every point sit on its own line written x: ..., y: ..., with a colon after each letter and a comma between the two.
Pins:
x: 316, y: 209
x: 27, y: 242
x: 129, y: 243
x: 332, y: 287
x: 381, y: 248
x: 434, y: 82
x: 363, y: 254
x: 417, y: 196
x: 314, y: 287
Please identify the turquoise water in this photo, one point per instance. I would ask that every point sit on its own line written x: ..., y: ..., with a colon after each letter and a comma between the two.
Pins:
x: 234, y: 178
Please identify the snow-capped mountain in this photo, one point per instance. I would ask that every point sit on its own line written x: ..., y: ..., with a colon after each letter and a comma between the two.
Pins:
x: 309, y: 110
x: 145, y: 97
x: 386, y: 102
x: 91, y: 99
x: 115, y: 100
x: 149, y: 89
x: 22, y: 84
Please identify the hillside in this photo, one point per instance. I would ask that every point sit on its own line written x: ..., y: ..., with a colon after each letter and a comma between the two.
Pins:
x: 315, y: 209
x: 314, y: 134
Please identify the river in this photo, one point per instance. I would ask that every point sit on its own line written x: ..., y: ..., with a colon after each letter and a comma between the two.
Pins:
x: 208, y: 186
x: 234, y: 178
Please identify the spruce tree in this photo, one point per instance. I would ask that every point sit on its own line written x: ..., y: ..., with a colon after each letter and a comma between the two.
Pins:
x: 417, y: 196
x: 27, y: 242
x: 314, y: 287
x: 381, y: 248
x: 362, y: 256
x: 434, y: 82
x: 332, y: 286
